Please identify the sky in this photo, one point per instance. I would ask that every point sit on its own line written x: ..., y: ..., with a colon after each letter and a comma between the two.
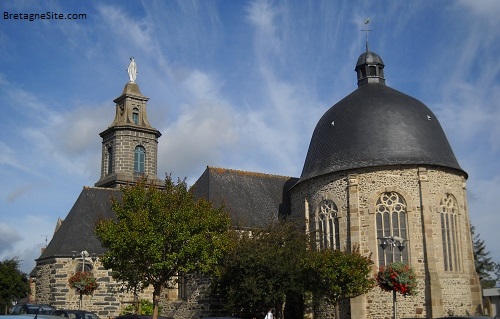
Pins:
x: 233, y: 84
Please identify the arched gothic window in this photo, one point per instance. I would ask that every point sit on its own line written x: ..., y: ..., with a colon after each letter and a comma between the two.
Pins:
x: 79, y: 267
x: 139, y: 159
x: 449, y: 232
x: 391, y: 221
x: 328, y: 225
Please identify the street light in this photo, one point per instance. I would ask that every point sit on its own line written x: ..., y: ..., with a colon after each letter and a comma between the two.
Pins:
x: 84, y: 254
x: 392, y: 242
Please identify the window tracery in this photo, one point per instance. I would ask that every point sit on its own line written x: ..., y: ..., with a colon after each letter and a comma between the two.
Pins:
x: 328, y: 225
x: 449, y: 232
x: 391, y: 220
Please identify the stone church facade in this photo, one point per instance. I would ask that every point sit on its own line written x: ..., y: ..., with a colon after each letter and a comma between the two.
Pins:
x: 379, y: 169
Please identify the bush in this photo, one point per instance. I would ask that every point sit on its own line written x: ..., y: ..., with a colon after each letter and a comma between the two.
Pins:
x: 145, y: 309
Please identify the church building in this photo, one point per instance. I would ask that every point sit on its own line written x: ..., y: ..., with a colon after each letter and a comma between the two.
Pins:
x: 379, y: 175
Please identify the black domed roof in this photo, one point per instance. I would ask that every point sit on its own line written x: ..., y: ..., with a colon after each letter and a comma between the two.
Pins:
x: 377, y: 126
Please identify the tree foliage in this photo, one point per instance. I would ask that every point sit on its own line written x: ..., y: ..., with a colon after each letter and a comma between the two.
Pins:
x: 337, y: 275
x: 482, y: 260
x: 14, y: 284
x: 496, y: 271
x: 159, y: 233
x: 263, y: 268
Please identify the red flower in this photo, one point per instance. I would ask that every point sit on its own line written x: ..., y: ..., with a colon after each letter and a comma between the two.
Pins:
x: 397, y: 277
x: 84, y: 282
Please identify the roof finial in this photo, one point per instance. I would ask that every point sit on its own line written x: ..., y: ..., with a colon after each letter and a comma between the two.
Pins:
x: 366, y: 21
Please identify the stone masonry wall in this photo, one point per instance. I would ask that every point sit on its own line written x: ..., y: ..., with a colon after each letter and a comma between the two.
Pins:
x: 358, y: 228
x: 196, y: 304
x: 109, y: 300
x: 52, y: 288
x: 124, y: 144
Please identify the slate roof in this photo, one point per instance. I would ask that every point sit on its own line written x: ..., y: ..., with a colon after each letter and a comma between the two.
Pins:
x: 377, y: 126
x: 76, y: 233
x: 252, y: 199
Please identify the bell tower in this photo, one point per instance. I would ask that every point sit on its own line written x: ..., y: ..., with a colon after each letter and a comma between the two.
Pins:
x: 130, y: 143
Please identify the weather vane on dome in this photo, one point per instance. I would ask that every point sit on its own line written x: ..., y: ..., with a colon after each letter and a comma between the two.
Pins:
x: 132, y: 70
x: 366, y: 21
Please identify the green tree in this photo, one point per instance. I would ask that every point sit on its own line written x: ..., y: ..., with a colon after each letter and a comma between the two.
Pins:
x: 338, y: 275
x: 482, y: 260
x: 497, y: 272
x: 14, y: 284
x: 263, y: 269
x: 159, y: 233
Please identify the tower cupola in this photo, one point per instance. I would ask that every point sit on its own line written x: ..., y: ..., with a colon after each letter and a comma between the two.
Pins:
x: 370, y: 68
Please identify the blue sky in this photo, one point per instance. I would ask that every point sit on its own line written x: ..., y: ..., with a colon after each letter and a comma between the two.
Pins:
x: 236, y: 84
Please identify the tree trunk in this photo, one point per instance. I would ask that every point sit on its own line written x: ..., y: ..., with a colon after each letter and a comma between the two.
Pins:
x: 156, y: 300
x: 137, y: 304
x: 282, y: 310
x: 337, y: 311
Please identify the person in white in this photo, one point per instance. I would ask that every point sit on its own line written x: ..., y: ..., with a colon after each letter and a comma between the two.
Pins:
x: 269, y: 314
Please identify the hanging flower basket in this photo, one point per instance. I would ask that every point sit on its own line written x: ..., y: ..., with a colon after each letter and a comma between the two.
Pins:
x: 84, y: 282
x: 397, y: 277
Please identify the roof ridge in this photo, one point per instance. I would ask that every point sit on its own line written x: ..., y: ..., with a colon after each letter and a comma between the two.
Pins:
x: 221, y: 170
x: 94, y: 187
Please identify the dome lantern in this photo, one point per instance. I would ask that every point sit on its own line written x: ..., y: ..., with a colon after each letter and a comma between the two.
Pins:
x: 370, y: 68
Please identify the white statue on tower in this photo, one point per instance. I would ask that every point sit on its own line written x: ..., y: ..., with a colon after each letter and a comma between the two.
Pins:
x: 132, y: 70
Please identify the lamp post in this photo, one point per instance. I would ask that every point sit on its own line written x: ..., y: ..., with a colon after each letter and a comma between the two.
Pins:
x: 392, y: 242
x: 84, y: 254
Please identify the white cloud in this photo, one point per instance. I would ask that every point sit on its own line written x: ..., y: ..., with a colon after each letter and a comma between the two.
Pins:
x: 137, y: 33
x: 8, y: 238
x: 485, y: 9
x: 200, y: 86
x: 26, y: 239
x: 67, y: 140
x: 32, y: 107
x: 206, y: 127
x: 199, y: 137
x: 262, y: 15
x: 80, y: 127
x: 9, y: 159
x: 483, y: 214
